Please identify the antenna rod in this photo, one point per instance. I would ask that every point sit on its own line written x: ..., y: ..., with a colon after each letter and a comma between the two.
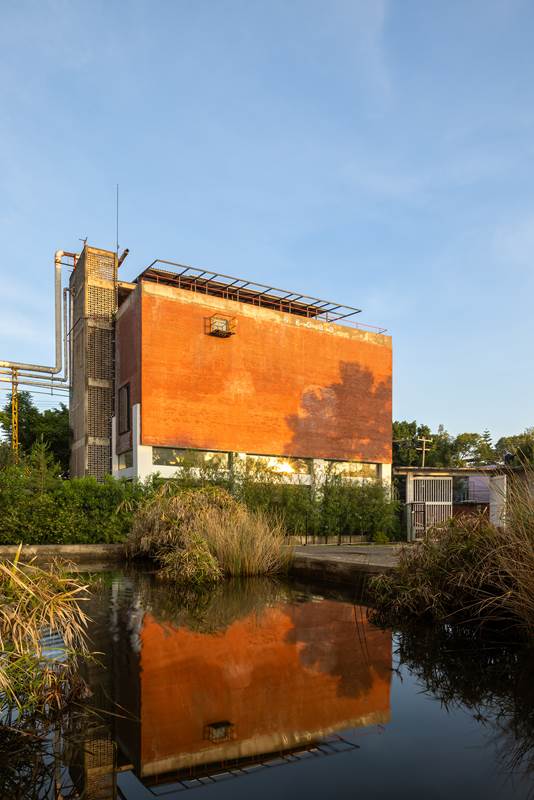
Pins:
x: 117, y: 221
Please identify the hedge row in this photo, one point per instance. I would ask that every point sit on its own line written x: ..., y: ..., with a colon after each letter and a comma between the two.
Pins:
x: 37, y: 506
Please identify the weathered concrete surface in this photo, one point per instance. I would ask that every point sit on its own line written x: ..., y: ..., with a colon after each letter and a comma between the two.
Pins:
x: 283, y: 385
x: 86, y: 554
x: 344, y: 564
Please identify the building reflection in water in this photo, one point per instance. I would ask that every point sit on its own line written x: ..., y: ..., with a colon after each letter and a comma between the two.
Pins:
x: 251, y: 671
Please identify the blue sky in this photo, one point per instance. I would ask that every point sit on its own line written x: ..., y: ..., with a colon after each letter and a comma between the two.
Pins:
x: 377, y: 153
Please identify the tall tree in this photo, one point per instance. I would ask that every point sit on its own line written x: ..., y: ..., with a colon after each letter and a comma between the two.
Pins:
x: 467, y: 449
x: 519, y: 447
x: 50, y: 426
x: 442, y: 449
x: 404, y: 446
x: 487, y: 451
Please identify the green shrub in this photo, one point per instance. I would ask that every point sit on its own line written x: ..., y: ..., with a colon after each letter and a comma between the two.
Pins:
x: 37, y: 506
x: 347, y: 507
x: 293, y: 505
x: 379, y: 537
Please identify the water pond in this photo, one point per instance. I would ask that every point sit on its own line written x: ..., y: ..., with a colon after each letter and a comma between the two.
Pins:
x: 263, y: 689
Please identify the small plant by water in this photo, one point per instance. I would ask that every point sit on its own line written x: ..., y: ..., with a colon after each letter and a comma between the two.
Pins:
x: 199, y: 535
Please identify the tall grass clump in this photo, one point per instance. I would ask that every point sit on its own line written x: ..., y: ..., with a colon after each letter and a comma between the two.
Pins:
x: 199, y: 535
x: 514, y: 555
x: 245, y: 542
x: 35, y: 602
x: 468, y: 570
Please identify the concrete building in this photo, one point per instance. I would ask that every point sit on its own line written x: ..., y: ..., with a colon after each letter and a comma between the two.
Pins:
x: 432, y: 495
x: 227, y: 370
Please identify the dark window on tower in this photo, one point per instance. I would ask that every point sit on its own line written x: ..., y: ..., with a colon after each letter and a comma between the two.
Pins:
x: 124, y: 408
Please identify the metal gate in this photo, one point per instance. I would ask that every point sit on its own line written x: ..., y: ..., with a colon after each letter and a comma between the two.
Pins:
x: 429, y: 502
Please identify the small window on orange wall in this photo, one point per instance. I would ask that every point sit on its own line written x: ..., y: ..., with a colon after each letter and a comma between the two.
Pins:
x: 124, y: 408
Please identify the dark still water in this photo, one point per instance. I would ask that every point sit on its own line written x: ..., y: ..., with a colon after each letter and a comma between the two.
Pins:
x: 267, y: 691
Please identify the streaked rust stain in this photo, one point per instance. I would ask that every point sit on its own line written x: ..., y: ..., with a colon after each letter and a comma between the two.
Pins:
x: 280, y: 386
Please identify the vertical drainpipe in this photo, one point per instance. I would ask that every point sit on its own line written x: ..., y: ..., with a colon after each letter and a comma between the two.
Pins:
x: 58, y: 366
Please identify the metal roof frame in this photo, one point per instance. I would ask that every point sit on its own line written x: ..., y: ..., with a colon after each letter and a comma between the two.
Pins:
x: 251, y: 292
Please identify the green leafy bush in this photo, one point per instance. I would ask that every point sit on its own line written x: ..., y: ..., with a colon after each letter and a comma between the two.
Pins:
x: 293, y: 505
x: 347, y: 507
x: 37, y: 506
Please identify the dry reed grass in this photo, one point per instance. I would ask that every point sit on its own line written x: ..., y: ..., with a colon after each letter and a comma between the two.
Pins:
x: 245, y: 542
x: 199, y: 535
x: 513, y: 556
x: 162, y: 521
x: 34, y: 601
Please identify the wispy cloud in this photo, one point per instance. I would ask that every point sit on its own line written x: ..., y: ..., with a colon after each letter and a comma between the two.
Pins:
x: 371, y: 36
x: 367, y: 27
x: 513, y: 242
x: 416, y: 181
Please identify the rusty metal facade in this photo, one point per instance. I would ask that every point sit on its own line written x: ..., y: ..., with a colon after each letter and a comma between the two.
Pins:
x: 94, y: 290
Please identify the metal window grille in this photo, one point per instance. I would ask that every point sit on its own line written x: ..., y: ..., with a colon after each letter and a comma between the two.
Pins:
x: 221, y: 326
x: 99, y: 410
x: 99, y: 353
x: 98, y: 459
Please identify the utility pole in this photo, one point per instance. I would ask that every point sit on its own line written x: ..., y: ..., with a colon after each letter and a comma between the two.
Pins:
x: 423, y: 448
x: 15, y: 413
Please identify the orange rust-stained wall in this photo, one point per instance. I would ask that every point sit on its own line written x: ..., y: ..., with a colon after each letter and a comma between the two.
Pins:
x: 281, y: 678
x: 283, y: 385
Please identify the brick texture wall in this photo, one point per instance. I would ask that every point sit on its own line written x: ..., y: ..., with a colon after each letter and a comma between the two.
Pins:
x: 282, y: 385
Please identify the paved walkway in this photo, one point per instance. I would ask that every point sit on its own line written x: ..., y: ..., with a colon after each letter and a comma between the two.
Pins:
x: 386, y: 555
x: 344, y: 563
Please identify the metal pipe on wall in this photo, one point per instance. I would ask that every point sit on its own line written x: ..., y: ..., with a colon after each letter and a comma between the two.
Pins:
x: 40, y: 392
x: 58, y: 366
x: 54, y: 380
x: 71, y: 317
x: 27, y: 382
